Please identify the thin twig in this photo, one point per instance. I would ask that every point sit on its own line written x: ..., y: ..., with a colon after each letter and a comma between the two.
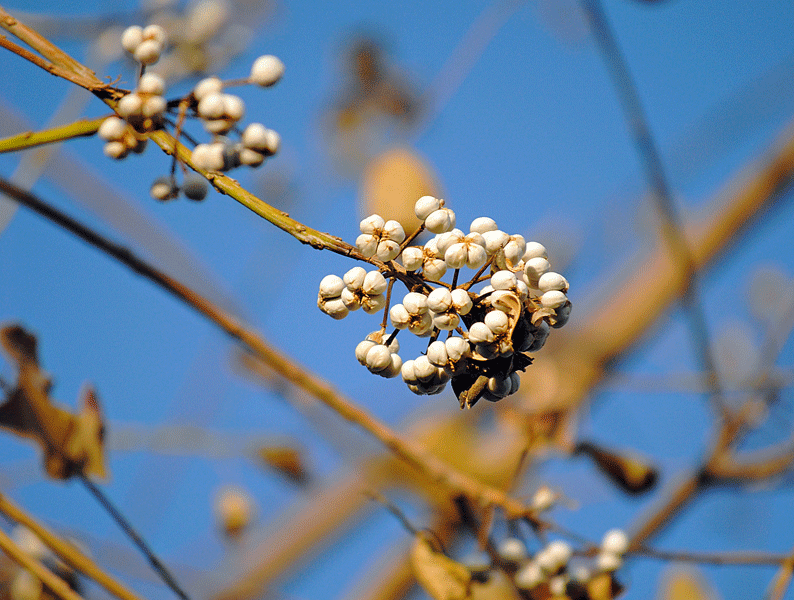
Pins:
x: 31, y: 139
x: 128, y: 529
x: 782, y: 580
x: 661, y: 193
x: 69, y: 553
x: 712, y: 558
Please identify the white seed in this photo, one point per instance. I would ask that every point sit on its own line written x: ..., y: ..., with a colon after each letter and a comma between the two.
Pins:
x: 544, y: 498
x: 255, y: 136
x: 266, y: 70
x: 148, y: 52
x: 394, y: 367
x: 535, y: 250
x: 439, y: 300
x: 461, y: 301
x: 446, y: 321
x: 529, y: 576
x: 132, y: 38
x: 154, y: 106
x: 512, y: 549
x: 421, y: 325
x: 351, y: 299
x: 372, y: 225
x: 354, y: 278
x: 374, y: 283
x: 331, y: 286
x: 415, y: 303
x: 112, y: 129
x: 408, y: 372
x: 392, y: 230
x: 534, y: 269
x: 607, y: 561
x: 475, y: 256
x: 373, y: 304
x: 130, y: 105
x: 434, y: 269
x: 483, y: 224
x: 213, y: 156
x: 273, y: 141
x: 497, y: 321
x: 155, y: 33
x: 615, y: 541
x: 378, y: 358
x: 456, y: 255
x: 361, y: 350
x: 431, y: 247
x: 399, y: 316
x: 514, y: 249
x: 553, y: 299
x: 558, y: 585
x: 163, y: 188
x: 480, y: 333
x: 116, y: 150
x: 251, y: 158
x: 444, y: 240
x: 424, y: 370
x: 437, y: 354
x: 457, y: 348
x: 559, y: 553
x: 218, y: 126
x: 426, y: 205
x: 206, y: 87
x: 211, y: 106
x: 333, y: 308
x: 387, y: 250
x: 503, y: 280
x: 26, y: 586
x: 367, y: 244
x: 151, y: 83
x: 234, y: 107
x: 440, y: 221
x: 494, y: 240
x: 206, y: 19
x: 412, y: 258
x: 522, y: 288
x: 552, y: 281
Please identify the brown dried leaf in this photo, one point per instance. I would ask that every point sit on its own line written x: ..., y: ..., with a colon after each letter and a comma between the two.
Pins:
x: 286, y: 460
x: 440, y: 576
x: 627, y: 470
x: 71, y: 443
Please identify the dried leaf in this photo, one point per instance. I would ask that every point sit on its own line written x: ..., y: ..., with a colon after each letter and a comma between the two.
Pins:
x: 393, y: 182
x: 286, y: 460
x: 627, y: 470
x: 71, y: 443
x: 440, y: 576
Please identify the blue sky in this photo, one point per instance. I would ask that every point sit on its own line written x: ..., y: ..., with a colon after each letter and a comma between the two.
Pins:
x: 532, y: 136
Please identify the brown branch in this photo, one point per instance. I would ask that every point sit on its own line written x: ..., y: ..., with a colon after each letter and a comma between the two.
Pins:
x: 70, y: 554
x: 57, y: 585
x: 782, y: 580
x: 711, y: 558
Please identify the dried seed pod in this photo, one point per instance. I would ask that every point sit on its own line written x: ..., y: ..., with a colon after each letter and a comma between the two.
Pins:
x: 412, y: 258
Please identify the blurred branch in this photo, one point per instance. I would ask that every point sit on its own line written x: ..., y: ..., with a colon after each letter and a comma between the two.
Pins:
x: 781, y: 581
x: 57, y: 585
x: 30, y: 139
x: 718, y: 558
x: 70, y: 554
x: 661, y: 193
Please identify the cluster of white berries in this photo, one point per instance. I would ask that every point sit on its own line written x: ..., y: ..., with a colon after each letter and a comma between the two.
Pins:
x: 554, y: 570
x: 145, y: 44
x: 513, y: 314
x: 144, y: 110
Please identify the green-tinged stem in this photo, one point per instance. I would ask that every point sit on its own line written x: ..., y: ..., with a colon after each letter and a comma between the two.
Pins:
x: 31, y: 139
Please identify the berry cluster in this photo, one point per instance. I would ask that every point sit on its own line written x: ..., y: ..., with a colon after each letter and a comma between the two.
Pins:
x: 510, y: 316
x: 554, y: 570
x: 145, y: 110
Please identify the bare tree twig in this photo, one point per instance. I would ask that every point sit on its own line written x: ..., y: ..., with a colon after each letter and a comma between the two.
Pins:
x: 781, y: 581
x: 31, y: 139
